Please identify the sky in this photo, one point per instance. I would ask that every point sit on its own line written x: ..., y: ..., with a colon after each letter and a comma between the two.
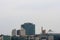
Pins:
x: 44, y: 13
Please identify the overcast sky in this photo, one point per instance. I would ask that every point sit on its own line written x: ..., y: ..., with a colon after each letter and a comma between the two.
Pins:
x: 44, y: 13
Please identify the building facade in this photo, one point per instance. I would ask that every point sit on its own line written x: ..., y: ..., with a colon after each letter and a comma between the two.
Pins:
x: 14, y: 32
x: 22, y: 32
x: 18, y: 32
x: 5, y: 37
x: 29, y: 28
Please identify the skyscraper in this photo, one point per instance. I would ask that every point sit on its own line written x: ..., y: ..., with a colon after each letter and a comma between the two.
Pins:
x: 29, y: 28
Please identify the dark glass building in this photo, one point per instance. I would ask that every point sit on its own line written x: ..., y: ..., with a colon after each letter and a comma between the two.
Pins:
x: 18, y: 32
x: 29, y: 28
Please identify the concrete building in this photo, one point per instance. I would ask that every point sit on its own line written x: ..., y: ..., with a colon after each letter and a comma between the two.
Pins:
x: 30, y: 37
x: 22, y: 32
x: 37, y: 37
x: 50, y: 37
x: 46, y: 37
x: 14, y: 32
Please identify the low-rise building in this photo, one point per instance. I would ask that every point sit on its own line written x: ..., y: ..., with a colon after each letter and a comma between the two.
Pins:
x: 5, y: 37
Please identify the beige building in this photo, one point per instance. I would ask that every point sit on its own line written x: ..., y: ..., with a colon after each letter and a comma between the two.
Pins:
x: 37, y: 37
x: 22, y: 32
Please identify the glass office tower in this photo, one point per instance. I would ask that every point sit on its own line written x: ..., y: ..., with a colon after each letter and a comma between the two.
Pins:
x: 29, y: 28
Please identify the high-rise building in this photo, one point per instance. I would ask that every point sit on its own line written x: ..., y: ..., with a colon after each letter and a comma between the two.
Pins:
x: 29, y: 28
x: 14, y: 32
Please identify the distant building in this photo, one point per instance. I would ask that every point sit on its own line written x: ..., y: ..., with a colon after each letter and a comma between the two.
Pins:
x: 37, y: 37
x: 27, y: 32
x: 22, y: 32
x: 18, y: 32
x: 30, y: 37
x: 14, y: 32
x: 29, y: 28
x: 5, y: 37
x: 51, y: 37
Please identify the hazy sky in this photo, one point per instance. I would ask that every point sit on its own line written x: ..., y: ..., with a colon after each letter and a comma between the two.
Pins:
x: 44, y: 13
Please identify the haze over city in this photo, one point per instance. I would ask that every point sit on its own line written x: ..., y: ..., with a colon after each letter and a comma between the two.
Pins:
x: 44, y: 13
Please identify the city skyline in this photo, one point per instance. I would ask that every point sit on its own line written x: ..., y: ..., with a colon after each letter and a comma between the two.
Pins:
x: 44, y: 13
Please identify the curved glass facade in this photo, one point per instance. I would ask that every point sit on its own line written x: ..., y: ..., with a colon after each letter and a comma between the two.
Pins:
x: 29, y: 28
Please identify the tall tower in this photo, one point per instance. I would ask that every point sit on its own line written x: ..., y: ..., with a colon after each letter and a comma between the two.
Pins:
x: 29, y: 28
